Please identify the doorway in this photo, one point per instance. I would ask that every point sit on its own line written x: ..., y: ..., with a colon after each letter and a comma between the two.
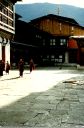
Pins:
x: 3, y: 53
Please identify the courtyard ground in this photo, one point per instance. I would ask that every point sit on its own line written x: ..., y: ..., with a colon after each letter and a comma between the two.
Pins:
x: 46, y: 98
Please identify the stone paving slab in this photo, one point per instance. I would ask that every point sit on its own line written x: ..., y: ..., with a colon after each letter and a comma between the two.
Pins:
x: 62, y: 126
x: 61, y: 106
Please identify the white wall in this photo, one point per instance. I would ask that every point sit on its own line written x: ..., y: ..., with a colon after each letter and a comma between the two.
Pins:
x: 66, y: 57
x: 0, y: 49
x: 7, y: 52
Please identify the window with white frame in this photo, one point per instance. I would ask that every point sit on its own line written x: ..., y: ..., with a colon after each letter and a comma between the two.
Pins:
x: 60, y: 58
x: 52, y: 42
x: 62, y: 41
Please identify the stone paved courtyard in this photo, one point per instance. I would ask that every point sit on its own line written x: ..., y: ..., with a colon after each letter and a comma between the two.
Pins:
x: 47, y: 98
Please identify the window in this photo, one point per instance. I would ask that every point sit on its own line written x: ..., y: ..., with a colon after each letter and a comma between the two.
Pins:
x: 0, y: 17
x: 62, y: 41
x: 5, y: 2
x: 5, y: 11
x: 60, y: 58
x: 10, y: 22
x: 72, y: 28
x: 47, y: 56
x: 38, y: 36
x: 10, y: 14
x: 52, y: 56
x: 4, y: 19
x: 1, y: 7
x: 56, y: 60
x: 52, y: 42
x: 43, y: 41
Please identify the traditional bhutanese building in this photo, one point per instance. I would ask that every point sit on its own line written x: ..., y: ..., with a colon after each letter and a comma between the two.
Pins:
x: 7, y: 27
x: 48, y: 40
x: 60, y: 48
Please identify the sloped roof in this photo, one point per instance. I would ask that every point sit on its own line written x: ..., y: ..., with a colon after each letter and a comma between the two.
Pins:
x: 14, y: 1
x: 57, y: 17
x: 17, y: 16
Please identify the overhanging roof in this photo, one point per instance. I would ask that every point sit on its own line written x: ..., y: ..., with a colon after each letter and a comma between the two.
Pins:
x: 57, y: 17
x: 80, y: 36
x: 14, y: 1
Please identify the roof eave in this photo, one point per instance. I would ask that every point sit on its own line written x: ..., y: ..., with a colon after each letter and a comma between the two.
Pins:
x: 14, y: 1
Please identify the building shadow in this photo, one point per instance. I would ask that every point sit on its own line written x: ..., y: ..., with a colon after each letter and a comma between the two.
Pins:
x: 39, y: 109
x: 28, y: 111
x: 10, y: 78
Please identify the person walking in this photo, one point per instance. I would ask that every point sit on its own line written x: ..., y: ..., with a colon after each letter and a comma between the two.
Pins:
x: 7, y: 67
x: 3, y: 65
x: 31, y: 65
x: 21, y: 67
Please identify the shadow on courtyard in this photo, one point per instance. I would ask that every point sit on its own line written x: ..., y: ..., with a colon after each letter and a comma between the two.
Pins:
x: 40, y: 108
x: 31, y: 109
x: 43, y: 108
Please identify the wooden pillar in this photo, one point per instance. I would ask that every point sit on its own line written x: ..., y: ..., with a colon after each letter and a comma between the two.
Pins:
x: 0, y: 48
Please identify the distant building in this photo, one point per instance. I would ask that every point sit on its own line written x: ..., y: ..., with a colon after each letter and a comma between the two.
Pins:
x: 60, y: 48
x: 47, y: 39
x: 7, y: 27
x: 26, y: 42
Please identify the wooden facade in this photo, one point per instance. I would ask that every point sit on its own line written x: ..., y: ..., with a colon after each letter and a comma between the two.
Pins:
x: 7, y: 27
x: 58, y: 25
x: 61, y: 28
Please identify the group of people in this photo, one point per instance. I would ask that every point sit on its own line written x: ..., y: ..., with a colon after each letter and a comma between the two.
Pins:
x: 4, y: 67
x: 21, y: 66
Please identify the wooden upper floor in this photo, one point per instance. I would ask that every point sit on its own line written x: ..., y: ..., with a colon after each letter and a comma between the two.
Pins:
x: 58, y: 25
x: 7, y: 18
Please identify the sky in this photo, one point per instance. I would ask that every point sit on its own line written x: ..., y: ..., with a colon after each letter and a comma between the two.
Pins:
x: 77, y: 3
